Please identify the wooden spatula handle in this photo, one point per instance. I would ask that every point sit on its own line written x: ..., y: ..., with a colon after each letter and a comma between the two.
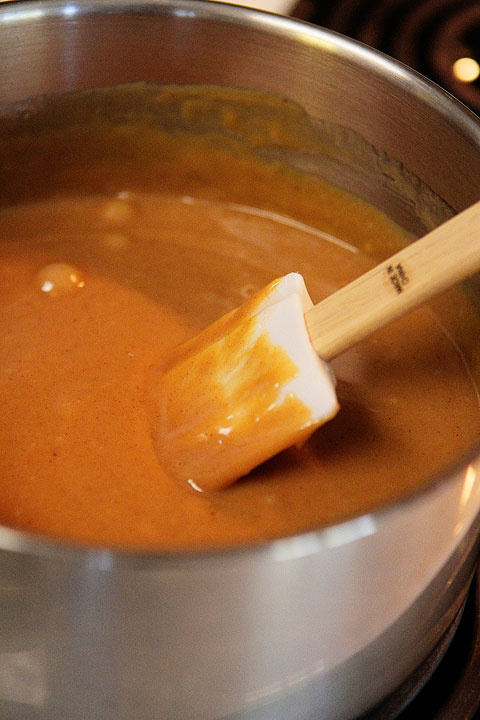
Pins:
x: 421, y: 270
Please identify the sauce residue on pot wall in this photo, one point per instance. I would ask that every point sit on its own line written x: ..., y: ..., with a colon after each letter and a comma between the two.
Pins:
x: 151, y: 269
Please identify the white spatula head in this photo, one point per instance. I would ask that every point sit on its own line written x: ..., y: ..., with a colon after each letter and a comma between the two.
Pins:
x: 243, y: 390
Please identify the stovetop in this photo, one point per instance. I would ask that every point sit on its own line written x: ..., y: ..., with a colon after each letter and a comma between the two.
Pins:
x: 439, y: 38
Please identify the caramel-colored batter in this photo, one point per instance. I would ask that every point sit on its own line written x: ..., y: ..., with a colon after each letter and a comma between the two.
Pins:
x: 96, y: 293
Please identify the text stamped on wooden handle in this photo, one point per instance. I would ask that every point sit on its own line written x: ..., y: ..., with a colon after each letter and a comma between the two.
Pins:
x: 398, y: 277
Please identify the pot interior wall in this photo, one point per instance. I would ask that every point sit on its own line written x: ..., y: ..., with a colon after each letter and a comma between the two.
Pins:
x: 59, y: 48
x: 106, y: 139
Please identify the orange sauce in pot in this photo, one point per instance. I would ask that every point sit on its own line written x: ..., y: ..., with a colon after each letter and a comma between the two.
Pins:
x: 96, y: 293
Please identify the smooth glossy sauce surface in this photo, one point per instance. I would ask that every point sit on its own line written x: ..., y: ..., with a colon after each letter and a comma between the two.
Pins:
x: 95, y: 293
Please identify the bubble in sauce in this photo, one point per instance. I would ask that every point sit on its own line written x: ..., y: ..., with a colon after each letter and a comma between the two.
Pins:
x: 248, y: 290
x: 116, y: 241
x: 119, y: 210
x: 59, y: 279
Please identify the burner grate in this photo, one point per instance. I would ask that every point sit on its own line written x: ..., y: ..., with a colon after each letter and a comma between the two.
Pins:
x: 431, y: 36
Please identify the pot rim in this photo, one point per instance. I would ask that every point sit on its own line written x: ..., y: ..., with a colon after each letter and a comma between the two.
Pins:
x: 432, y: 95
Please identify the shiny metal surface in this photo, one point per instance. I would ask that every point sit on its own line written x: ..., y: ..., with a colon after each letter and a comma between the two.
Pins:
x: 59, y: 47
x: 323, y: 625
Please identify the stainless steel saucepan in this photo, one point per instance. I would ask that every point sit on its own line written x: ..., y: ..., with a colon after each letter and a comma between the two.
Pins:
x: 322, y: 625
